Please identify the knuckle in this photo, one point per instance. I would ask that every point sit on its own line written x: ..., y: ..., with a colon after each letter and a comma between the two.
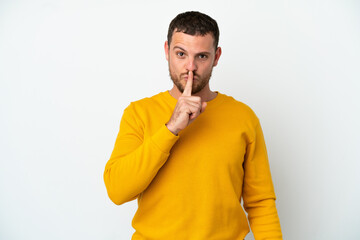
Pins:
x: 197, y: 99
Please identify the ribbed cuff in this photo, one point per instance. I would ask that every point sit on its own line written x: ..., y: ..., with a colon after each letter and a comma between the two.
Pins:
x: 164, y: 139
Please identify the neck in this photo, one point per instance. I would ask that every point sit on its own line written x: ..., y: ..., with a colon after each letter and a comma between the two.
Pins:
x: 205, y: 94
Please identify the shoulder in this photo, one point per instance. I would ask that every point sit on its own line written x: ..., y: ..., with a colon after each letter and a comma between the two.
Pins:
x: 146, y: 102
x: 150, y: 107
x: 238, y: 109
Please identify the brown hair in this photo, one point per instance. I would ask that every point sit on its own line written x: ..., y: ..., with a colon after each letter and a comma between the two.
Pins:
x: 194, y: 23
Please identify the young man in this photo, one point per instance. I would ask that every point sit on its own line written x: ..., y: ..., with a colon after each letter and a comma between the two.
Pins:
x: 190, y: 154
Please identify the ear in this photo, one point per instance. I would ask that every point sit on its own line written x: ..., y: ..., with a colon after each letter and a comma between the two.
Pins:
x: 166, y: 47
x: 217, y: 56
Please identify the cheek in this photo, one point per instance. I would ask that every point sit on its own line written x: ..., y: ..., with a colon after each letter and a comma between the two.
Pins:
x: 206, y: 68
x: 176, y: 65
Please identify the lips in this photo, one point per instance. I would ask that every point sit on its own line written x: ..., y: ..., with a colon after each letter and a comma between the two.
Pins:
x: 185, y: 77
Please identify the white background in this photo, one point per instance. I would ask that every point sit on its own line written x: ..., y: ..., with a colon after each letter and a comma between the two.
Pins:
x: 69, y: 68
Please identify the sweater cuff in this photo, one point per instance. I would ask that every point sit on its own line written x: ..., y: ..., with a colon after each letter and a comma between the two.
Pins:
x: 164, y: 139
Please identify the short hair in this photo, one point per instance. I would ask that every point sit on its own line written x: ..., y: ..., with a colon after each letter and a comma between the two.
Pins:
x: 194, y: 23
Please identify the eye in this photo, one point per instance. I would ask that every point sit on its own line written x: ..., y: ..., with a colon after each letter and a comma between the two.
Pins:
x: 180, y: 54
x: 202, y: 56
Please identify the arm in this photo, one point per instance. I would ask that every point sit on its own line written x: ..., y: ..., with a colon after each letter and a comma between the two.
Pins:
x: 258, y: 192
x: 135, y: 161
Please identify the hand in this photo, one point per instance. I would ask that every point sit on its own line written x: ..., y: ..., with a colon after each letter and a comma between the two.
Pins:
x: 187, y: 108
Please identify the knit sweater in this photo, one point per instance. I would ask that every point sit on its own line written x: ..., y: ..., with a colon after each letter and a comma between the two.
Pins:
x: 189, y: 186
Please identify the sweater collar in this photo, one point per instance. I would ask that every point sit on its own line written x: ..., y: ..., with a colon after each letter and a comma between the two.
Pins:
x: 210, y: 104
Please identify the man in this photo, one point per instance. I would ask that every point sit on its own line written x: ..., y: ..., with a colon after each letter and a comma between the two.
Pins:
x: 190, y: 154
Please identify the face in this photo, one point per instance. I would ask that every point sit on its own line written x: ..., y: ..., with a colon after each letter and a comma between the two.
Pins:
x: 191, y: 53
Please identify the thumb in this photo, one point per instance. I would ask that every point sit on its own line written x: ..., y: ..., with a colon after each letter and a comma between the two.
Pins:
x: 203, y: 106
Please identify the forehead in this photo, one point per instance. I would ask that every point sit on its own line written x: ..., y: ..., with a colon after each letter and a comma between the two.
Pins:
x: 195, y: 43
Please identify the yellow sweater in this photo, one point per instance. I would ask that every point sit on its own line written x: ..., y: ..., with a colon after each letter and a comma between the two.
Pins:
x: 189, y: 187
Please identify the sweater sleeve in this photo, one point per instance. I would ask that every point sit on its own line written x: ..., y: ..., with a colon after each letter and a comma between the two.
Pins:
x: 135, y: 160
x: 258, y: 191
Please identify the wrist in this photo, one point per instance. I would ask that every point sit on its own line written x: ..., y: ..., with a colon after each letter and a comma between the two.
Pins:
x: 172, y: 129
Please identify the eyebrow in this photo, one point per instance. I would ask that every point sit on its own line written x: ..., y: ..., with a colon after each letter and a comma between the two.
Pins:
x: 205, y: 53
x: 179, y: 48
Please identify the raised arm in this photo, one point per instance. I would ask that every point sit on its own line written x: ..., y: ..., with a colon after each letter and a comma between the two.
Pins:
x: 135, y: 161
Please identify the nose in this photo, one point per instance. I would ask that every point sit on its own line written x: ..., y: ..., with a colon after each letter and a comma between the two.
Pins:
x: 191, y: 64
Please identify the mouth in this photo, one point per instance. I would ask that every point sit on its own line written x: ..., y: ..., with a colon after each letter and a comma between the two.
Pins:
x: 186, y: 76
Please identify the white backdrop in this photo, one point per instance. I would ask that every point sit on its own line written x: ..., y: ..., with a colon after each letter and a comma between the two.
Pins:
x: 69, y: 68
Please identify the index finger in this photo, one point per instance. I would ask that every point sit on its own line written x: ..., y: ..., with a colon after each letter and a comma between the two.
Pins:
x: 188, y: 86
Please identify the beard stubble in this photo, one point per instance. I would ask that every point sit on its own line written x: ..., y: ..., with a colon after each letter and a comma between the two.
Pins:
x: 199, y: 82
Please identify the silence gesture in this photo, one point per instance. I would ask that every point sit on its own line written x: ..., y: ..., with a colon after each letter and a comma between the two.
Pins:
x: 187, y: 109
